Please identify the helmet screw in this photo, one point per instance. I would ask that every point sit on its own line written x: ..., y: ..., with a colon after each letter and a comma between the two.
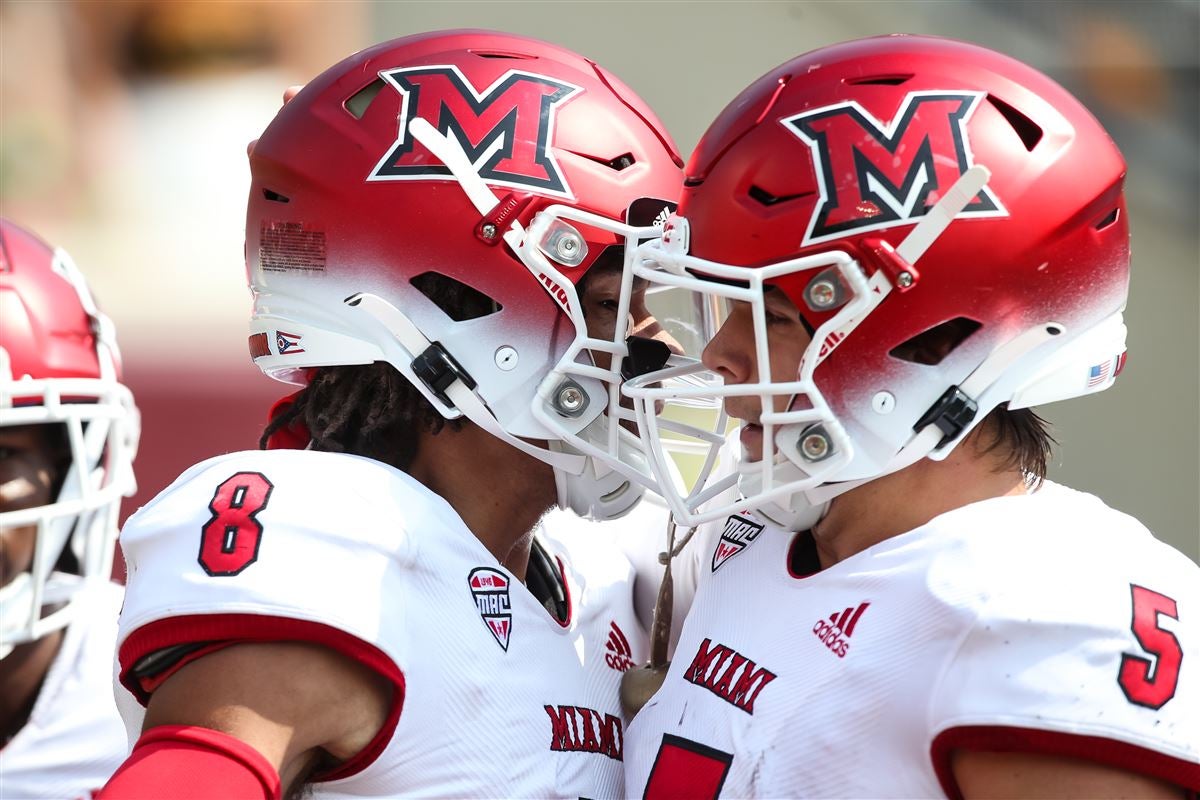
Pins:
x: 506, y: 358
x: 570, y: 399
x: 822, y: 294
x: 815, y: 445
x: 883, y: 402
x: 904, y: 280
x: 567, y: 246
x: 488, y: 230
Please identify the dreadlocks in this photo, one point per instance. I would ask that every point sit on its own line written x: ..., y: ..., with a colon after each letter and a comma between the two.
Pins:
x: 366, y: 410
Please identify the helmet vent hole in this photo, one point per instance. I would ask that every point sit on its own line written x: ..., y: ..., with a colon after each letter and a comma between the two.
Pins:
x: 933, y: 345
x: 878, y: 80
x: 457, y: 300
x: 621, y: 162
x: 1109, y: 219
x: 617, y: 164
x: 358, y: 103
x: 501, y: 54
x: 276, y: 197
x: 1029, y: 131
x: 764, y: 197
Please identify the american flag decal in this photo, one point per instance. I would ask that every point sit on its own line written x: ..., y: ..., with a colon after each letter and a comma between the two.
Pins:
x: 1102, y: 372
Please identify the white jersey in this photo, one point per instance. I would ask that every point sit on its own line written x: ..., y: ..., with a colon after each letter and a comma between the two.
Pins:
x: 640, y: 537
x: 74, y: 739
x: 494, y: 697
x: 1046, y: 623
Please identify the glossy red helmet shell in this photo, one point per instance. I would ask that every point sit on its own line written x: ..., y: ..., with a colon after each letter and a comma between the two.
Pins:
x: 336, y: 168
x: 59, y: 366
x: 837, y: 156
x: 346, y: 201
x: 47, y: 333
x: 1055, y: 248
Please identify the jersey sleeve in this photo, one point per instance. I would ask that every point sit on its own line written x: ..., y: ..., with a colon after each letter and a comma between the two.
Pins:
x: 260, y: 547
x: 1082, y: 648
x: 312, y: 538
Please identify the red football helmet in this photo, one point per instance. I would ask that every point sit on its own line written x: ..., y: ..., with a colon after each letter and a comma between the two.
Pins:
x: 59, y: 365
x: 855, y: 179
x: 486, y: 159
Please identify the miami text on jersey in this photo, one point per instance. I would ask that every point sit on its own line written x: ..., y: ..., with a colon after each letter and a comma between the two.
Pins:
x: 585, y: 730
x: 715, y: 668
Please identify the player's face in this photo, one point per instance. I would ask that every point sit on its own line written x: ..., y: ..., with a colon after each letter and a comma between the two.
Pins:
x: 600, y: 297
x: 731, y: 353
x: 28, y: 472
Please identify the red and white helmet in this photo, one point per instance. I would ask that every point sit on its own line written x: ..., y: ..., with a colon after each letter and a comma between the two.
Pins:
x: 891, y: 186
x: 59, y: 364
x: 488, y: 159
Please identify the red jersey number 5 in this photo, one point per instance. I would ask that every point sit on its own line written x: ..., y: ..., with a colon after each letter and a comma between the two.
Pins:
x: 229, y: 541
x: 1146, y: 682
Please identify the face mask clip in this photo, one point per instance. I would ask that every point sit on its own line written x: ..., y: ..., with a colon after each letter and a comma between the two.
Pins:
x: 495, y: 222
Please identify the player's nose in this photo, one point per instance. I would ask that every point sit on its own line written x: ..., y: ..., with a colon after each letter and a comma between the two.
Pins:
x: 730, y: 353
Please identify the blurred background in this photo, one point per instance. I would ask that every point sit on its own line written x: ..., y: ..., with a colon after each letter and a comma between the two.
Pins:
x: 123, y: 128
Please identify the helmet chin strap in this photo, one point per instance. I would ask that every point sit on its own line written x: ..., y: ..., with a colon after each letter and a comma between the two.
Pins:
x: 464, y: 399
x: 21, y: 611
x: 16, y: 609
x: 592, y: 496
x: 938, y: 218
x: 927, y: 442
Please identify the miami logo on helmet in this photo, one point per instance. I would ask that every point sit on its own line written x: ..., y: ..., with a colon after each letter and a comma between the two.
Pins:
x: 897, y: 166
x: 506, y: 129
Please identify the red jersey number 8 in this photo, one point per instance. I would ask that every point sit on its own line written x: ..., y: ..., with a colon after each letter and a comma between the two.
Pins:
x: 229, y: 541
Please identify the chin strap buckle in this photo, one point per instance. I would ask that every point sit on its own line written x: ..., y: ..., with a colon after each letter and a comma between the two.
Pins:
x: 952, y: 413
x: 438, y: 370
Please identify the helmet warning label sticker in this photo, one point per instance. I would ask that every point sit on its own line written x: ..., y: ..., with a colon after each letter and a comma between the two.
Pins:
x: 290, y: 247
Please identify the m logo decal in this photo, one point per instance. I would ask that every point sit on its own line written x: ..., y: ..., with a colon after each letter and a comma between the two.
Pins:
x: 899, y: 169
x: 506, y: 130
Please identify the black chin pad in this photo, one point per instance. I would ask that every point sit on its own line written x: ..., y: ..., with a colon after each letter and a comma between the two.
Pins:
x: 645, y: 355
